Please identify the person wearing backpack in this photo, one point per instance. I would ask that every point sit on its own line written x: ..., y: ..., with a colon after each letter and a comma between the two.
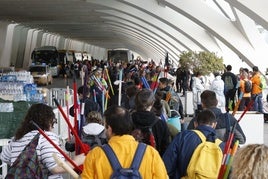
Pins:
x: 44, y: 165
x: 93, y: 133
x: 159, y: 112
x: 172, y: 98
x: 118, y: 126
x: 230, y: 86
x: 147, y: 127
x: 181, y: 159
x: 245, y: 90
x: 225, y: 121
x: 257, y: 86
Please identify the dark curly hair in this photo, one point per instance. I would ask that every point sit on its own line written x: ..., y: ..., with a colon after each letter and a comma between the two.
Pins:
x: 41, y: 114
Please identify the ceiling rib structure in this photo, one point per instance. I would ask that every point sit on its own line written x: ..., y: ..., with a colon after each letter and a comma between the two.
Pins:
x: 152, y: 28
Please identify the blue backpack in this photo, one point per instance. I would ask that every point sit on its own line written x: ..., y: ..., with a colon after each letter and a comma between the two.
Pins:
x: 125, y: 173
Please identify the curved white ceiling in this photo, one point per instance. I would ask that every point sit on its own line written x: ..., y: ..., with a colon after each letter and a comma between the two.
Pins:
x: 151, y: 27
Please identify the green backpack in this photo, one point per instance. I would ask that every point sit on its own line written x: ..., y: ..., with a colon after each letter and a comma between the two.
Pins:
x: 206, y: 160
x: 27, y: 164
x: 228, y: 83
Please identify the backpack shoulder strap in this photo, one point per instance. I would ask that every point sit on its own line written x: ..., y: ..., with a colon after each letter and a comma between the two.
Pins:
x: 138, y: 156
x: 98, y: 137
x: 200, y: 135
x: 218, y: 141
x: 33, y: 143
x: 111, y: 157
x: 114, y: 161
x: 203, y: 137
x: 30, y: 146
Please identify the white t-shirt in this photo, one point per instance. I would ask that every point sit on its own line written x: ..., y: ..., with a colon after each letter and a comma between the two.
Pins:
x: 44, y: 150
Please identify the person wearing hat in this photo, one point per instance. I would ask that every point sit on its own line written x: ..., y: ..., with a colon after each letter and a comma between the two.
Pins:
x: 98, y: 85
x: 98, y: 75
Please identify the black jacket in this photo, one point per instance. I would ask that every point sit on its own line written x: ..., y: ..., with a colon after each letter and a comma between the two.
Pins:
x: 90, y: 105
x: 160, y: 129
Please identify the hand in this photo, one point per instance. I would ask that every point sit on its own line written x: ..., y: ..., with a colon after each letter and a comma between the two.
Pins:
x: 79, y: 159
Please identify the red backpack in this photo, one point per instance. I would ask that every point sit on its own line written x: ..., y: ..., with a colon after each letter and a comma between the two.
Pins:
x: 145, y: 134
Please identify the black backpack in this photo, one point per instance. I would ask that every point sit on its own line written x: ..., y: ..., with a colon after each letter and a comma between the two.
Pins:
x: 125, y: 173
x: 248, y: 86
x: 94, y: 140
x: 27, y: 164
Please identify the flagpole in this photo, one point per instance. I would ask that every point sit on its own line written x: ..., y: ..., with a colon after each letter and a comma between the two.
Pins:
x: 57, y: 147
x: 120, y: 87
x: 109, y: 80
x: 77, y: 139
x: 229, y: 141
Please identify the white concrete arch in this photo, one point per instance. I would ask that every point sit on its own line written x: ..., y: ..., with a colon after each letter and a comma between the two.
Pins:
x: 169, y: 26
x: 152, y: 50
x: 167, y: 20
x: 153, y: 38
x: 217, y: 25
x: 3, y: 34
x: 256, y: 10
x: 133, y: 11
x: 211, y: 22
x: 7, y: 50
x: 154, y: 33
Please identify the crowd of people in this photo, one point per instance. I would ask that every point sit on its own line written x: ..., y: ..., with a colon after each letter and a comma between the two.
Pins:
x: 234, y: 91
x: 127, y: 104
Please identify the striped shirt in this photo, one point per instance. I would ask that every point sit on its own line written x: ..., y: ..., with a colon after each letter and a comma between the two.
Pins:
x: 44, y: 150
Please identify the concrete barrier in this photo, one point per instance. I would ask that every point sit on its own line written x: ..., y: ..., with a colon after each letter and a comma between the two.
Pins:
x: 252, y: 124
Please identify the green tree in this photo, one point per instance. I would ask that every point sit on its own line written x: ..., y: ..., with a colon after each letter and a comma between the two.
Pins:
x: 203, y: 62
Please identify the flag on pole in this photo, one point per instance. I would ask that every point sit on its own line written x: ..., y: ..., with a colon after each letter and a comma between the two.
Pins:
x: 166, y: 60
x: 166, y: 65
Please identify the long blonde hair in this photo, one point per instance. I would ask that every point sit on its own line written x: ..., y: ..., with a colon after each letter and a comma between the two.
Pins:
x: 251, y: 162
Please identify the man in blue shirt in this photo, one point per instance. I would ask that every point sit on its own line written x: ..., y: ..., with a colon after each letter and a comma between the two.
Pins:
x: 179, y: 152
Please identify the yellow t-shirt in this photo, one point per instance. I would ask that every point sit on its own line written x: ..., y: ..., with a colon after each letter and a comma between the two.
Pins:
x: 97, y: 165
